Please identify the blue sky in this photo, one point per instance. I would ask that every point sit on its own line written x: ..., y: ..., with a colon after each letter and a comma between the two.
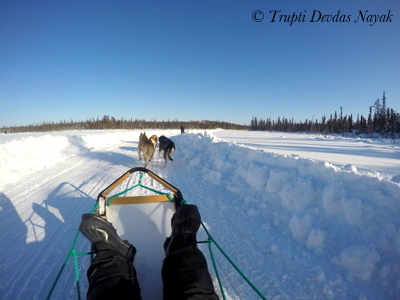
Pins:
x: 193, y: 60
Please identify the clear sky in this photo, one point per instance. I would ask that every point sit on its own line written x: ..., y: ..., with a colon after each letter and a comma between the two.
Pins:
x: 195, y: 59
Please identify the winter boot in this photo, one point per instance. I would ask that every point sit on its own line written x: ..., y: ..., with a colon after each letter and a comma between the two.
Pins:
x: 112, y: 275
x: 184, y: 272
x: 96, y: 229
x: 185, y: 223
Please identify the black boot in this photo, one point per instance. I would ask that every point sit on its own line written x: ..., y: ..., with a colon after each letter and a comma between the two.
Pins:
x: 96, y: 229
x: 185, y: 273
x: 185, y: 223
x: 112, y: 275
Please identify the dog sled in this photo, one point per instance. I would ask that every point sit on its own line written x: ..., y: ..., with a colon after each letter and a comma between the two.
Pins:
x: 143, y: 220
x: 140, y: 205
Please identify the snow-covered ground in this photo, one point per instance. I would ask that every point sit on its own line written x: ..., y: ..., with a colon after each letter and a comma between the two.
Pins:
x: 303, y: 216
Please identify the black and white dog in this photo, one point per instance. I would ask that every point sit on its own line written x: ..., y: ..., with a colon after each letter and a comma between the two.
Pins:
x: 167, y: 146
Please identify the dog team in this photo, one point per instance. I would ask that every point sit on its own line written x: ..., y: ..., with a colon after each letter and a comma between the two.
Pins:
x: 147, y: 147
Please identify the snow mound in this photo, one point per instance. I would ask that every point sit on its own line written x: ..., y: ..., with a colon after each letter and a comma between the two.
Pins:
x: 29, y: 153
x: 323, y: 215
x: 359, y: 260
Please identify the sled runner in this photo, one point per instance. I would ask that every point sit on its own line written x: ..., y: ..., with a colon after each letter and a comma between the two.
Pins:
x: 140, y: 205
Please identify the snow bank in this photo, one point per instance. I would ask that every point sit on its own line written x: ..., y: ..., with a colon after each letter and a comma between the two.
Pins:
x: 349, y: 221
x: 24, y: 154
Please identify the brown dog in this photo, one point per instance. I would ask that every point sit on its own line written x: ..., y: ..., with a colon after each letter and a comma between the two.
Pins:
x: 145, y: 147
x: 154, y: 140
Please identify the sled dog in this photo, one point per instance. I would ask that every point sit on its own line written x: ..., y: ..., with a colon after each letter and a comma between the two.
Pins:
x: 168, y: 146
x: 154, y: 139
x: 145, y: 147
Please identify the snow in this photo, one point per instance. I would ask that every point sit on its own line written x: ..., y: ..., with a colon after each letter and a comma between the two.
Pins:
x: 303, y: 216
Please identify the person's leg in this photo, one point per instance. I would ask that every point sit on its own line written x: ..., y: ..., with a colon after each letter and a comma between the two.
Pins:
x: 111, y: 274
x: 184, y: 272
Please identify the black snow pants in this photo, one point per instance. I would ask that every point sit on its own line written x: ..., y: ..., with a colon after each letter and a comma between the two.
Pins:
x: 185, y: 276
x: 112, y: 276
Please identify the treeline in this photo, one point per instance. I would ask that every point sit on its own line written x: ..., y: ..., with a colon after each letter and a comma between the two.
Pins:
x: 108, y: 122
x: 381, y: 121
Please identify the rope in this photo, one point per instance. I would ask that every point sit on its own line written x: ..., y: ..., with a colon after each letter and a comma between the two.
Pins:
x: 76, y: 268
x: 138, y: 185
x: 212, y: 241
x: 71, y: 252
x: 216, y: 269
